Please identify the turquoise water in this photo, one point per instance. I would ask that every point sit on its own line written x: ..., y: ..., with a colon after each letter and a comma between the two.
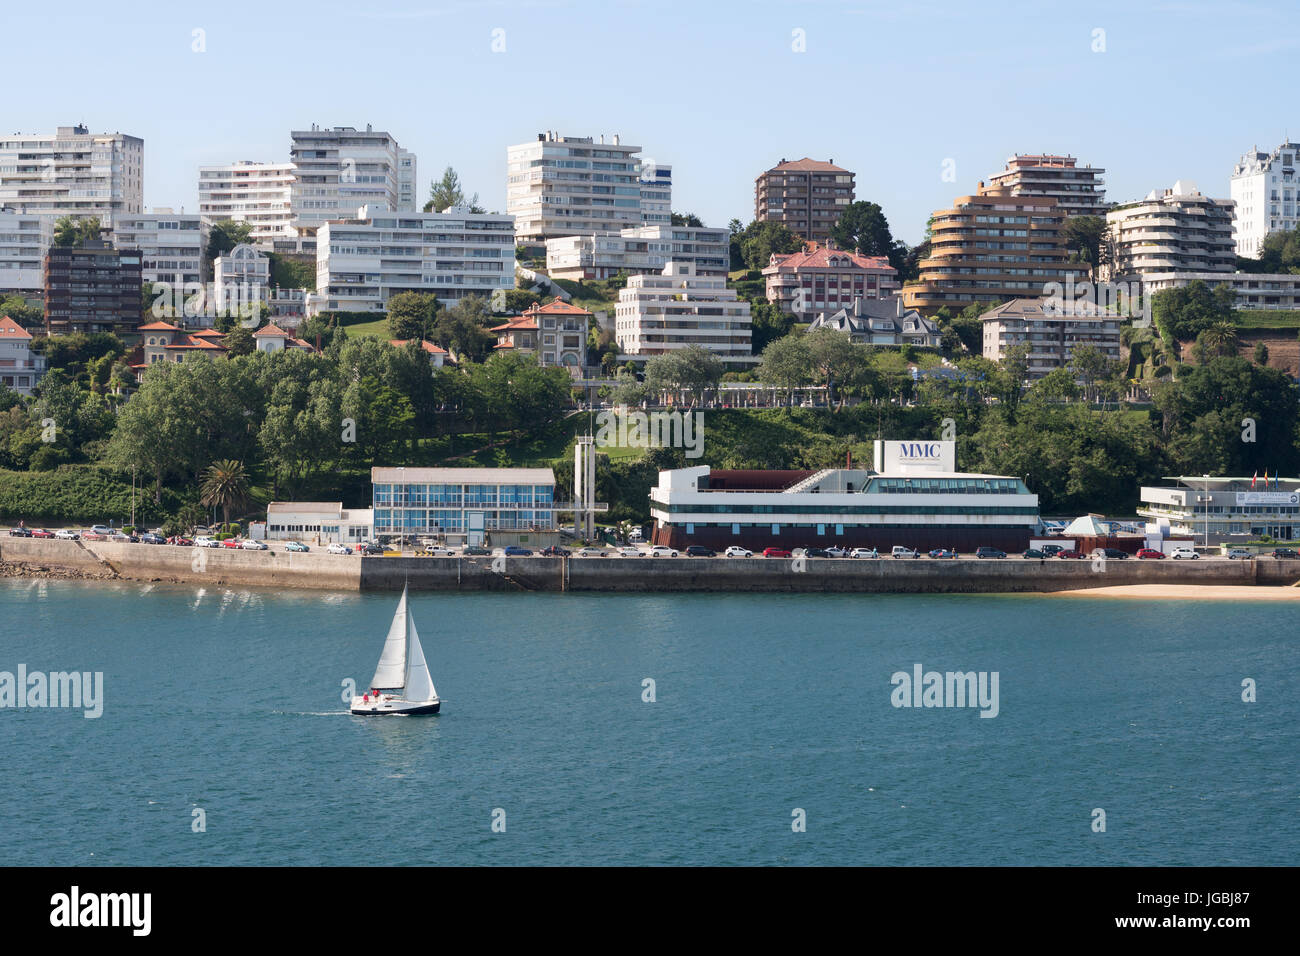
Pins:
x: 229, y: 701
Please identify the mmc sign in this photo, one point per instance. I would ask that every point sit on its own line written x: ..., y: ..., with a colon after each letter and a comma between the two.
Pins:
x: 913, y: 457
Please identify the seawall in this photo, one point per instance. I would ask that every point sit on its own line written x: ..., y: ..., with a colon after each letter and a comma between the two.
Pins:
x: 317, y: 569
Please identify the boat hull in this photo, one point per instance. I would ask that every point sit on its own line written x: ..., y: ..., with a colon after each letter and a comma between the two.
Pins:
x: 394, y: 707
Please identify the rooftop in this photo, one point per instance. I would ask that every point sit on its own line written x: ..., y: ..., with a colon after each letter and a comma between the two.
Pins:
x: 467, y: 476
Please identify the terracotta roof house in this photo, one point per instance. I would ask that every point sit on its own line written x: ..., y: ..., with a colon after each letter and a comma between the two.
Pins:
x: 555, y: 332
x: 438, y: 356
x: 820, y: 278
x: 20, y: 370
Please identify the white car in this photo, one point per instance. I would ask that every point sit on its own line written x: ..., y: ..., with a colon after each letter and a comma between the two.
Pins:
x: 437, y: 551
x: 589, y: 553
x: 626, y: 552
x: 736, y: 551
x: 202, y: 542
x: 1235, y: 553
x: 251, y: 545
x: 1177, y: 553
x: 864, y: 553
x: 835, y: 551
x: 339, y: 549
x: 901, y: 551
x: 101, y: 529
x: 661, y: 551
x: 67, y: 534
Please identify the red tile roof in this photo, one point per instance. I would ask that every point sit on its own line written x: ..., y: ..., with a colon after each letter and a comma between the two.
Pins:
x: 519, y: 323
x: 427, y: 346
x: 9, y: 329
x: 158, y: 327
x: 207, y: 334
x: 807, y: 165
x: 817, y: 256
x: 557, y: 307
x: 272, y: 330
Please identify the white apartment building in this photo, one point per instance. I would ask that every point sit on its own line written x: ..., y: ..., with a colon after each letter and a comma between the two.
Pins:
x: 171, y: 244
x: 1171, y: 230
x: 641, y: 249
x: 572, y: 186
x: 1254, y: 290
x: 20, y: 368
x: 73, y: 172
x: 260, y: 194
x: 1267, y: 196
x: 242, y: 275
x: 657, y: 314
x: 656, y: 194
x: 361, y: 262
x: 339, y: 170
x: 407, y: 185
x: 1052, y: 336
x: 24, y: 240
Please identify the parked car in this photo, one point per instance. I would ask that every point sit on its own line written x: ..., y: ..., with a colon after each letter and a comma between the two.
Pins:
x: 1069, y: 555
x: 555, y: 551
x: 776, y: 553
x: 473, y: 551
x: 373, y: 549
x: 1242, y: 553
x: 589, y: 553
x: 67, y: 534
x: 989, y: 553
x: 628, y: 552
x: 1031, y: 553
x: 699, y: 551
x: 1053, y: 549
x: 1111, y: 554
x: 339, y: 549
x: 899, y: 551
x: 835, y: 551
x: 20, y: 532
x: 515, y: 551
x: 736, y: 551
x: 941, y: 553
x: 42, y: 533
x: 661, y: 551
x: 864, y: 553
x: 297, y: 546
x: 815, y: 553
x: 103, y: 529
x: 150, y: 538
x: 181, y: 541
x: 1285, y: 553
x: 1150, y: 554
x: 251, y: 545
x: 205, y: 542
x: 435, y: 551
x: 1181, y: 552
x: 232, y: 543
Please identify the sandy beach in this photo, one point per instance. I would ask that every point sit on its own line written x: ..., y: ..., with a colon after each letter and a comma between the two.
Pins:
x: 1188, y: 592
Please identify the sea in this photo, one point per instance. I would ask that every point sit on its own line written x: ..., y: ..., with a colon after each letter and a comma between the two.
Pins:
x: 727, y: 729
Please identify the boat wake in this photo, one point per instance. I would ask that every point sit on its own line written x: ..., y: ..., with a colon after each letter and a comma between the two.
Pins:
x: 311, y: 713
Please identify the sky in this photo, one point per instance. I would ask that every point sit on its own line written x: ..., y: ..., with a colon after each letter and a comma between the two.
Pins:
x: 921, y: 100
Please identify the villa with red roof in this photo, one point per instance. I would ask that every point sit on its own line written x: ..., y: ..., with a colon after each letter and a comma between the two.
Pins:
x: 555, y: 332
x: 163, y: 342
x: 821, y: 278
x: 20, y: 369
x: 438, y: 357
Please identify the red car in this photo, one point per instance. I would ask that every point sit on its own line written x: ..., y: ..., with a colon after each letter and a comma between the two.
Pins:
x: 1070, y: 554
x: 776, y: 553
x: 42, y: 533
x: 232, y: 543
x: 1150, y: 553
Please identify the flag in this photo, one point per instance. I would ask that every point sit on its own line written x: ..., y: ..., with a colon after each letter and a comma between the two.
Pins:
x: 1252, y: 480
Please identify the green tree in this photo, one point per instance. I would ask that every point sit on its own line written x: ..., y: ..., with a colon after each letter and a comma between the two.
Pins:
x: 686, y: 219
x: 239, y: 341
x: 1184, y: 313
x: 863, y: 228
x: 224, y: 235
x: 835, y: 359
x: 447, y: 192
x: 16, y: 307
x: 1083, y: 238
x: 1261, y: 353
x: 463, y: 329
x: 69, y: 231
x: 412, y: 315
x: 759, y: 240
x: 786, y: 364
x: 225, y: 486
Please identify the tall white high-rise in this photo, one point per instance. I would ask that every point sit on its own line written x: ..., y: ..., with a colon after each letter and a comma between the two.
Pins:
x: 656, y: 194
x: 260, y: 194
x: 1267, y: 193
x: 339, y: 170
x: 73, y: 172
x: 171, y: 244
x: 24, y: 240
x: 572, y: 186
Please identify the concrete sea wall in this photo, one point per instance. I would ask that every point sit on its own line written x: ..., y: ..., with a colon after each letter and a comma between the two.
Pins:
x: 317, y: 569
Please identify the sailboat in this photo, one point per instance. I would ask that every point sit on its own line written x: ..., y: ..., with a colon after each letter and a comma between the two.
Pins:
x: 401, y: 684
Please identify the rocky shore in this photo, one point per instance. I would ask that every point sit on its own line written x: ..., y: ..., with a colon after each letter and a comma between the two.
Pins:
x: 19, y: 569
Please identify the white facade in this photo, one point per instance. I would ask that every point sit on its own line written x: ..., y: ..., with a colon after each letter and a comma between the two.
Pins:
x: 1216, y: 508
x: 260, y: 194
x: 1255, y: 290
x: 1052, y: 336
x: 572, y: 186
x: 20, y: 368
x: 361, y: 262
x: 407, y: 180
x: 24, y: 240
x: 638, y: 250
x: 318, y: 522
x: 339, y: 170
x: 171, y: 244
x: 73, y: 172
x: 656, y: 194
x: 243, y: 268
x: 1267, y: 196
x: 657, y: 314
x: 1177, y: 229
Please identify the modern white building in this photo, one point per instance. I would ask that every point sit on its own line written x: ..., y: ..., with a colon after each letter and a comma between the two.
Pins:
x: 503, y: 505
x: 656, y: 194
x: 572, y: 186
x: 24, y: 240
x: 1052, y: 335
x: 407, y: 184
x: 1267, y: 196
x: 318, y: 522
x: 339, y: 170
x: 1255, y: 290
x: 171, y: 244
x: 242, y: 274
x: 1170, y: 230
x: 640, y: 249
x: 73, y: 172
x: 361, y: 262
x: 658, y: 314
x: 20, y: 368
x: 913, y: 497
x: 260, y: 194
x: 1218, y: 508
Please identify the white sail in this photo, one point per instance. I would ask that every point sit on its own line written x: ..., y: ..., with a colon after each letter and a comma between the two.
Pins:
x: 391, y: 672
x: 419, y: 683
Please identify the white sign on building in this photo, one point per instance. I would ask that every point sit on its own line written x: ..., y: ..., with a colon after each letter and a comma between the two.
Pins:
x: 915, y: 457
x: 1268, y: 498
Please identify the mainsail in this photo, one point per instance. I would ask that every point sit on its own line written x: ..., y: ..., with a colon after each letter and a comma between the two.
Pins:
x: 391, y: 672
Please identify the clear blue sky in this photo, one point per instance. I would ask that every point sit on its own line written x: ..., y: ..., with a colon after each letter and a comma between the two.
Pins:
x: 889, y: 90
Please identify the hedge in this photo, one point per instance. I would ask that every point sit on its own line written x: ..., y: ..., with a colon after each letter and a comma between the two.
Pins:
x: 84, y: 493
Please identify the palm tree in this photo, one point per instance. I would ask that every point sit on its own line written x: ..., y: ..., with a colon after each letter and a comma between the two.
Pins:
x: 225, y: 485
x: 1220, y: 339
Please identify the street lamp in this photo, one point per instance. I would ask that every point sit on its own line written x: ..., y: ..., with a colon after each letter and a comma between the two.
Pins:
x: 1207, y: 509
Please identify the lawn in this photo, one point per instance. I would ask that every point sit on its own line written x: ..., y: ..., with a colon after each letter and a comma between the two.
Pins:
x: 377, y: 329
x: 1269, y: 319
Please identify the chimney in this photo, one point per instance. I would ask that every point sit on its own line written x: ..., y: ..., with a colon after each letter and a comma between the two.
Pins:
x: 900, y: 306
